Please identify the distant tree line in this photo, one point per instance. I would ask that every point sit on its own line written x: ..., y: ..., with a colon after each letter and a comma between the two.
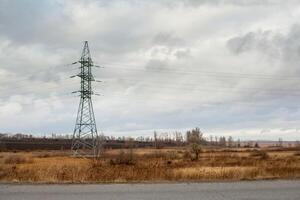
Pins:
x: 159, y: 140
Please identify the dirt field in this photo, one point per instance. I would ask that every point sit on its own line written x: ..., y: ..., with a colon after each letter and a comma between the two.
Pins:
x: 150, y: 165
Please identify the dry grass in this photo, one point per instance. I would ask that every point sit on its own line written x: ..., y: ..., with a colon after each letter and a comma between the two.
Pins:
x: 260, y: 154
x: 148, y: 165
x: 215, y: 173
x: 123, y: 158
x: 297, y: 153
x: 17, y: 159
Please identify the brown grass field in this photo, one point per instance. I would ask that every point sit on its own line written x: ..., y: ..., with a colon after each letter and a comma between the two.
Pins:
x: 149, y: 165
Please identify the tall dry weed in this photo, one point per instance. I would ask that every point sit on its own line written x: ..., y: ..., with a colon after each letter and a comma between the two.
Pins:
x: 17, y: 159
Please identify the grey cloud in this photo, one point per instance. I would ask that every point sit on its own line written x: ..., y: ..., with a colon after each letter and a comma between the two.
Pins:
x: 260, y: 41
x: 46, y: 76
x: 183, y: 53
x: 174, y: 3
x: 156, y: 64
x: 53, y: 23
x: 168, y: 39
x: 176, y: 45
x: 275, y: 45
x: 21, y: 20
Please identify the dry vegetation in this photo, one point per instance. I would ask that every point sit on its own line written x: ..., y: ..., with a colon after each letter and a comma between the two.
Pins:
x: 137, y: 165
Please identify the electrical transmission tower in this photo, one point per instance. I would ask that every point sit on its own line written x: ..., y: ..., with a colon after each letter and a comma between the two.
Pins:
x: 85, y: 137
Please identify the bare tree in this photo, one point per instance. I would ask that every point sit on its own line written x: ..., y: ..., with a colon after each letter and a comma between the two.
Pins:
x: 216, y: 140
x: 230, y: 141
x: 194, y: 136
x: 178, y: 137
x: 222, y: 141
x: 155, y: 140
x: 280, y: 142
x: 239, y: 143
x: 211, y: 140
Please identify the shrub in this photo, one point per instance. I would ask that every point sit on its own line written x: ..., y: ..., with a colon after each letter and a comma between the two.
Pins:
x: 187, y: 155
x: 172, y: 155
x: 259, y: 153
x: 196, y: 150
x: 156, y: 154
x: 161, y: 155
x: 124, y: 158
x: 3, y: 171
x: 16, y: 159
x: 96, y: 164
x: 44, y: 155
x: 297, y: 153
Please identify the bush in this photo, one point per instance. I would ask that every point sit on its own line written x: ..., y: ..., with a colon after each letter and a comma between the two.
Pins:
x: 124, y: 158
x: 172, y: 155
x: 196, y: 150
x: 169, y: 155
x: 187, y: 155
x: 262, y: 154
x: 156, y: 154
x: 4, y: 171
x: 297, y: 153
x: 96, y: 163
x: 16, y: 159
x: 44, y: 155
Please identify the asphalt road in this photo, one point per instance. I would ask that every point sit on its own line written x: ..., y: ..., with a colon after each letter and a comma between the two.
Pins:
x: 260, y: 190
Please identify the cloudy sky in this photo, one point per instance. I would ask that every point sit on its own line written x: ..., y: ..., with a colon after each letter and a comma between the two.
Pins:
x: 230, y: 67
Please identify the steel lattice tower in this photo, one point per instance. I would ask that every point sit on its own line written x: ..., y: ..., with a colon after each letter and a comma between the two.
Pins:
x: 85, y: 136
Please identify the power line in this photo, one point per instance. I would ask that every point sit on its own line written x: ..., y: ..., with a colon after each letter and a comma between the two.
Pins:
x: 202, y: 73
x: 30, y: 77
x: 196, y: 85
x: 176, y: 86
x: 192, y: 85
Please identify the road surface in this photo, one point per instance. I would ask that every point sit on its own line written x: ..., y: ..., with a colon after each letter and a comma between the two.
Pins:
x: 260, y: 190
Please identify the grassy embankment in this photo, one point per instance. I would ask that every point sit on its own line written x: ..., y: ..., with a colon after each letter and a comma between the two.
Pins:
x: 149, y: 165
